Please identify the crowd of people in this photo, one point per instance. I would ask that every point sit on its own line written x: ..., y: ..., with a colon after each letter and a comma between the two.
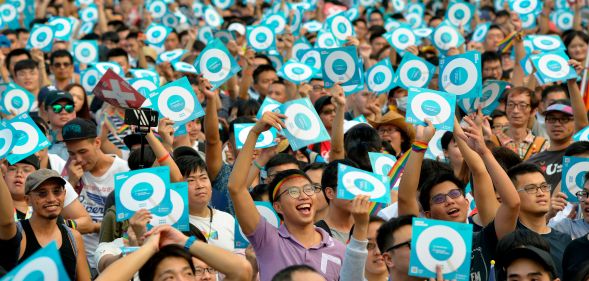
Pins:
x: 499, y: 168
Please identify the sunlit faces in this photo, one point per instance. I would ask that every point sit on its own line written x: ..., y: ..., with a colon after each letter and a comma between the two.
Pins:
x: 391, y: 134
x: 122, y: 61
x: 453, y: 209
x: 78, y: 94
x: 130, y: 46
x: 28, y: 79
x: 318, y: 90
x: 577, y: 49
x: 559, y: 126
x: 84, y: 152
x: 453, y: 153
x: 306, y: 276
x: 494, y: 36
x: 62, y: 68
x: 295, y: 211
x: 378, y: 44
x: 199, y: 188
x: 277, y: 92
x: 265, y: 79
x: 321, y: 203
x: 361, y: 29
x: 376, y: 19
x: 273, y: 171
x: 551, y: 97
x: 194, y: 129
x: 13, y: 62
x: 172, y: 42
x: 526, y: 269
x: 15, y: 177
x: 518, y: 109
x: 203, y: 272
x: 532, y: 203
x: 59, y: 119
x: 397, y: 259
x: 360, y: 101
x: 500, y: 124
x: 47, y: 199
x: 375, y: 262
x: 173, y: 268
x: 492, y: 69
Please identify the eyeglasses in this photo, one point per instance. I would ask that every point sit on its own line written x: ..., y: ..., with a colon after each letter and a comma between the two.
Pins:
x: 15, y: 169
x: 200, y: 271
x: 57, y: 108
x: 582, y: 195
x: 441, y: 198
x: 60, y: 65
x: 520, y: 106
x: 394, y: 247
x: 295, y: 192
x: 318, y: 88
x: 29, y: 73
x: 387, y: 131
x: 370, y: 246
x: 533, y: 189
x: 43, y: 193
x: 561, y: 120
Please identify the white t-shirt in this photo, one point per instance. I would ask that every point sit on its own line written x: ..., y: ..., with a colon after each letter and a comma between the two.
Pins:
x: 93, y: 197
x: 220, y: 232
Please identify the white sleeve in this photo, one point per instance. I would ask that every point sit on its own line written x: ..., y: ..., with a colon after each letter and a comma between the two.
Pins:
x: 108, y: 248
x: 70, y: 194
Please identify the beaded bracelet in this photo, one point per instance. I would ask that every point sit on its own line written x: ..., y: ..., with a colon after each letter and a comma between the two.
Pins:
x: 419, y: 146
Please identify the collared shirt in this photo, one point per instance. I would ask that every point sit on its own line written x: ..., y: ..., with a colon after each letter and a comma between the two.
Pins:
x: 276, y: 249
x: 521, y: 148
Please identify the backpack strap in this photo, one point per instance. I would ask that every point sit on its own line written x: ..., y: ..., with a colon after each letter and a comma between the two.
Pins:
x: 535, y: 147
x: 323, y: 225
x: 72, y: 240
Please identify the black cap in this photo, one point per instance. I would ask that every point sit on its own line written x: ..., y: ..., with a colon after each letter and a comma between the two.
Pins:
x: 55, y: 96
x: 31, y: 160
x: 134, y: 139
x: 321, y: 102
x: 537, y: 255
x: 44, y: 92
x: 78, y: 129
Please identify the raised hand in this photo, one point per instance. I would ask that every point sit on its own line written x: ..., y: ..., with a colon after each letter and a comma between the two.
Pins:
x: 138, y: 222
x: 167, y: 235
x: 425, y: 133
x: 473, y: 136
x: 337, y: 95
x: 165, y: 129
x: 268, y: 120
x: 204, y: 86
x: 361, y: 209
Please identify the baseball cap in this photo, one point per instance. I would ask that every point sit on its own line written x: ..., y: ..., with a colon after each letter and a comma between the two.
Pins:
x: 44, y: 92
x: 237, y: 27
x: 78, y: 129
x: 38, y: 177
x: 560, y: 107
x: 55, y: 96
x: 31, y: 160
x: 532, y: 253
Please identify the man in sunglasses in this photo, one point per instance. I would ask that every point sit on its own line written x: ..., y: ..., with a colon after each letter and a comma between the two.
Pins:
x: 45, y: 192
x: 60, y: 109
x: 62, y: 67
x: 534, y: 193
x: 394, y: 242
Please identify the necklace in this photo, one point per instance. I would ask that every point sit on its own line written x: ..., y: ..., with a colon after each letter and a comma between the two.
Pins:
x: 210, y: 233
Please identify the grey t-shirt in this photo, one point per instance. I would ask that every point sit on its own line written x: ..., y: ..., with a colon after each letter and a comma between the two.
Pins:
x: 574, y: 228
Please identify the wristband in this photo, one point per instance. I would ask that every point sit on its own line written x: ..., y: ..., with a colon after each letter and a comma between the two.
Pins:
x: 419, y: 146
x: 189, y: 242
x: 163, y: 158
x: 260, y: 167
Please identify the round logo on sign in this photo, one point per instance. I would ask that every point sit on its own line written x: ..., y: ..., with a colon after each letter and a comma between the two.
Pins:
x: 43, y: 268
x: 339, y: 66
x: 214, y: 65
x: 184, y: 67
x: 298, y: 71
x: 212, y: 18
x: 170, y: 20
x: 574, y: 177
x: 142, y: 191
x: 459, y: 76
x: 89, y: 79
x: 445, y: 37
x: 16, y: 100
x: 144, y: 86
x: 62, y: 26
x: 432, y: 107
x: 102, y: 67
x: 440, y: 244
x: 341, y: 27
x: 402, y: 38
x: 384, y: 165
x: 156, y: 34
x: 546, y: 43
x: 85, y: 52
x: 157, y: 9
x: 176, y: 103
x: 423, y: 32
x: 312, y: 58
x: 176, y: 212
x: 301, y: 122
x: 261, y: 37
x: 525, y: 6
x: 414, y: 73
x: 41, y: 37
x: 277, y: 22
x: 8, y: 12
x: 553, y: 66
x: 490, y: 94
x: 379, y: 78
x: 28, y: 139
x: 480, y: 32
x: 459, y: 14
x: 6, y: 141
x: 359, y: 183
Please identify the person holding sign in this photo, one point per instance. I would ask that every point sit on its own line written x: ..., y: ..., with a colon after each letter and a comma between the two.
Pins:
x: 45, y: 192
x: 293, y: 196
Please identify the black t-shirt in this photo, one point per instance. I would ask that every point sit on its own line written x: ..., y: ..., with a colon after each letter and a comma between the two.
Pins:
x: 576, y: 256
x: 558, y: 242
x: 551, y: 163
x: 484, y: 243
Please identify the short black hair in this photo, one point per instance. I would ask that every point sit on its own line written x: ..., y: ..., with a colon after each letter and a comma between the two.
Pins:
x: 60, y: 54
x: 360, y: 140
x: 429, y: 180
x: 147, y: 271
x: 534, y: 102
x: 24, y: 65
x: 16, y: 52
x: 516, y: 239
x: 261, y: 69
x: 134, y: 160
x: 258, y: 191
x: 552, y: 89
x: 375, y: 32
x: 490, y: 56
x: 117, y: 52
x: 506, y: 157
x: 287, y: 273
x: 446, y: 138
x: 384, y: 234
x: 281, y: 159
x: 522, y: 169
x: 249, y: 107
x: 576, y: 148
x: 315, y: 166
x: 281, y: 176
x: 189, y: 164
x: 110, y: 36
x: 264, y: 57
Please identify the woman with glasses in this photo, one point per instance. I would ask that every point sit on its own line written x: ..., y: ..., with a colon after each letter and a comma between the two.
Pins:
x: 293, y: 197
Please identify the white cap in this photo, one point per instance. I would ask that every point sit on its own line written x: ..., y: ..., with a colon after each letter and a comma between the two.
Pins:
x: 237, y: 27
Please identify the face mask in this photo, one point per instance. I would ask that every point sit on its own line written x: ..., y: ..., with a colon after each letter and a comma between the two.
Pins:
x: 401, y: 103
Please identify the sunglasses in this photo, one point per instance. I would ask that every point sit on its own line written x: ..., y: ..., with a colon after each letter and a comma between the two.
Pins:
x: 57, y: 108
x: 44, y: 193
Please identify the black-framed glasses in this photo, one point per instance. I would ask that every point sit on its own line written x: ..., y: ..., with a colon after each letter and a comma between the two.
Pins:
x: 533, y: 189
x: 582, y: 195
x: 200, y: 271
x: 561, y: 120
x: 57, y: 108
x: 400, y: 245
x: 441, y: 197
x: 295, y: 192
x: 44, y: 193
x: 520, y: 106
